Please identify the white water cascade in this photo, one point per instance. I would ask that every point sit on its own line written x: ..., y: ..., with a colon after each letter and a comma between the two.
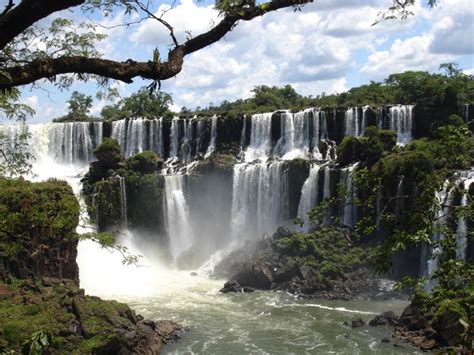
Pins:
x: 444, y: 198
x: 309, y: 195
x: 212, y: 144
x: 352, y: 124
x: 123, y: 201
x: 401, y: 121
x: 177, y: 216
x: 137, y: 135
x: 66, y: 143
x: 156, y: 137
x: 260, y: 200
x: 467, y: 178
x: 260, y: 138
x: 348, y: 205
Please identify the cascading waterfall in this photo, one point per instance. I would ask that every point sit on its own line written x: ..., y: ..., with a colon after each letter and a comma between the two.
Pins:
x: 260, y: 199
x: 309, y: 195
x: 461, y: 232
x: 364, y: 120
x: 123, y: 201
x: 444, y: 197
x: 352, y: 122
x: 348, y: 206
x: 131, y: 135
x: 187, y: 140
x: 156, y: 136
x: 260, y: 138
x: 212, y: 144
x: 401, y: 121
x: 177, y: 216
x: 466, y: 179
x: 67, y: 143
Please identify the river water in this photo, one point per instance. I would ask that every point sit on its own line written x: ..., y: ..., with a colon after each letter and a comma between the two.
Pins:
x: 256, y: 323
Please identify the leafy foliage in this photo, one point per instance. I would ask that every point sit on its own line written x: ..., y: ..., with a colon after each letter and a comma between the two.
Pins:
x: 140, y: 104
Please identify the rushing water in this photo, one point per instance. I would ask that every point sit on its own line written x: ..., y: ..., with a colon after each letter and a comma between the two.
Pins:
x: 257, y: 323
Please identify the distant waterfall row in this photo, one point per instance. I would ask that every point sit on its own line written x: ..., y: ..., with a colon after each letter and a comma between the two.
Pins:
x: 309, y: 134
x: 67, y: 143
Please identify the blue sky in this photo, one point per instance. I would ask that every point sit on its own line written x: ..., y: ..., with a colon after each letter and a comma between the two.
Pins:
x: 328, y: 47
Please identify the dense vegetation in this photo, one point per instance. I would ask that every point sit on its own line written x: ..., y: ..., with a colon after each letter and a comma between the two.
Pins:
x: 449, y: 90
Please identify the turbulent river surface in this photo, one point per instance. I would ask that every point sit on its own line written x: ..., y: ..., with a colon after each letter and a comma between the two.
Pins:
x: 257, y: 323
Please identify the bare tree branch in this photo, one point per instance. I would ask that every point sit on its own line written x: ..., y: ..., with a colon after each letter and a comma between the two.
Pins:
x: 49, y: 68
x: 159, y: 19
x: 8, y: 7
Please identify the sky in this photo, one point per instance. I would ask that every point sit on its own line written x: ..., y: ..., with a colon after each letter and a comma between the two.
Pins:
x: 330, y: 46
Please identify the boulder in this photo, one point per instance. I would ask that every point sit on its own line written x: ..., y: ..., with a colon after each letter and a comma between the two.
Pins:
x: 448, y: 323
x: 234, y: 286
x: 357, y: 323
x: 386, y: 318
x: 255, y: 275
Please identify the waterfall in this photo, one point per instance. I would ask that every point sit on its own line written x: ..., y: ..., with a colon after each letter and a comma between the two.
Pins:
x: 137, y: 135
x: 466, y: 112
x: 467, y: 178
x: 177, y: 216
x: 123, y: 201
x: 379, y: 118
x: 174, y: 137
x: 461, y: 233
x: 212, y: 144
x: 156, y: 137
x: 309, y: 195
x: 260, y: 138
x: 187, y: 141
x: 352, y: 122
x: 243, y: 134
x: 364, y: 120
x: 401, y: 121
x: 66, y: 143
x: 259, y: 199
x: 348, y: 206
x: 201, y: 132
x: 444, y: 198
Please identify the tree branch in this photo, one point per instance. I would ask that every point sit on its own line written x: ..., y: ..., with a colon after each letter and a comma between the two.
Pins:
x: 27, y: 13
x: 163, y: 22
x: 49, y: 68
x: 8, y: 7
x: 124, y: 71
x: 229, y: 21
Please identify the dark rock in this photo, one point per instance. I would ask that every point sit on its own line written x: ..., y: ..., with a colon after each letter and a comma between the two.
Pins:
x: 357, y: 323
x: 386, y: 318
x: 256, y: 275
x: 447, y: 323
x: 385, y: 340
x: 234, y: 286
x: 282, y: 232
x: 413, y: 319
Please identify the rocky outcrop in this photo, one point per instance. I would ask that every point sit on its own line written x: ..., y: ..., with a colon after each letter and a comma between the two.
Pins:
x: 324, y: 264
x: 42, y: 308
x: 37, y: 230
x: 444, y: 326
x: 74, y: 322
